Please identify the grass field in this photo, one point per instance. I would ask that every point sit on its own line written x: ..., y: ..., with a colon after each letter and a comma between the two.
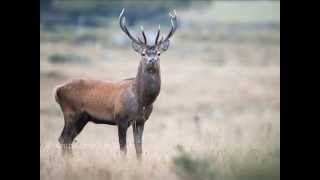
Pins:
x: 217, y: 115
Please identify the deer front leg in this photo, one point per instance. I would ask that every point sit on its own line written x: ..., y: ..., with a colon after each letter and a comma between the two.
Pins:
x: 122, y: 133
x: 137, y: 134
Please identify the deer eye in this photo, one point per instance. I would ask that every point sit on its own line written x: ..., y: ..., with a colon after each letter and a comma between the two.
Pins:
x: 143, y: 53
x: 158, y: 53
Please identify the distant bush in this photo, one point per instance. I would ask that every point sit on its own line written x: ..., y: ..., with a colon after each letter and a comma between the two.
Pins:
x: 205, y: 167
x: 68, y: 58
x: 86, y: 38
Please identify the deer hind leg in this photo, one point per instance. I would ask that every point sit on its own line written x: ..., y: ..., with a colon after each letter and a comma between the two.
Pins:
x: 74, y: 123
x: 138, y: 127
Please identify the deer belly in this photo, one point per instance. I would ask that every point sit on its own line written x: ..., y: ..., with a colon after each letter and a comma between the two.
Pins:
x: 99, y: 111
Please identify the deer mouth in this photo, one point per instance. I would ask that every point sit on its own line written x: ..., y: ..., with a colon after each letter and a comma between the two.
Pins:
x: 151, y: 67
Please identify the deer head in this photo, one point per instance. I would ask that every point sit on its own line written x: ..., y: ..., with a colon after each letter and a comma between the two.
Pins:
x: 150, y: 54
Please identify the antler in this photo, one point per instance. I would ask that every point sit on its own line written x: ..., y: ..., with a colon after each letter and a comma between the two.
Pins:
x: 157, y: 37
x: 125, y: 29
x: 174, y: 25
x: 144, y: 36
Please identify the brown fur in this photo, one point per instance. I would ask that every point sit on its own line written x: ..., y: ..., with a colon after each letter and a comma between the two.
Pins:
x: 101, y: 99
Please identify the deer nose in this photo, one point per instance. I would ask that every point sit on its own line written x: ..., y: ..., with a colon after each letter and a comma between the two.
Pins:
x: 151, y: 60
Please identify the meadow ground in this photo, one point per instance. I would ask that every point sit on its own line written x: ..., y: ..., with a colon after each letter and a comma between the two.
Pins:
x: 223, y: 101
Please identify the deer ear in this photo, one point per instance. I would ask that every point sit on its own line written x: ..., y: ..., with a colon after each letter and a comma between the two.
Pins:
x: 136, y: 47
x: 164, y: 45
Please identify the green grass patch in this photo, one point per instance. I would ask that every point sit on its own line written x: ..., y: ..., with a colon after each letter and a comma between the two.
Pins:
x: 253, y: 166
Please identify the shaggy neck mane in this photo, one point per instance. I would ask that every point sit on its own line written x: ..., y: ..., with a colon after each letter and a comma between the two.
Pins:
x: 147, y: 86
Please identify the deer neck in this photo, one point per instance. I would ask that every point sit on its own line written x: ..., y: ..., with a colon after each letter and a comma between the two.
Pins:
x: 148, y: 83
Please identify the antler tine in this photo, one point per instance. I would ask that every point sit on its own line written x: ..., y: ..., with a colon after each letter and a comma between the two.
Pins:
x: 144, y: 35
x: 122, y: 11
x: 157, y: 37
x: 174, y: 24
x: 124, y: 28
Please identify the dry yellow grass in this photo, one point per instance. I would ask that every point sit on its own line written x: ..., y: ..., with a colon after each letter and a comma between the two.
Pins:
x: 237, y: 104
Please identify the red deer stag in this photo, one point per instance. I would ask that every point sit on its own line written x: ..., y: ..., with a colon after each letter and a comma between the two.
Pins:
x: 115, y: 103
